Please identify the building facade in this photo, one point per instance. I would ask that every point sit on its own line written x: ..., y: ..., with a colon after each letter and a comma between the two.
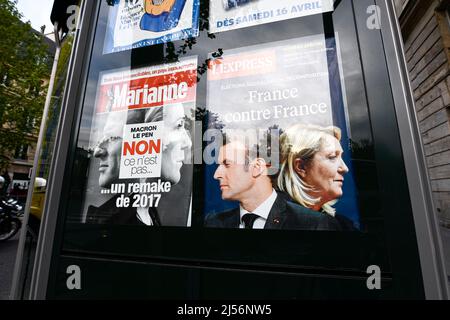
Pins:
x: 425, y: 29
x: 22, y: 159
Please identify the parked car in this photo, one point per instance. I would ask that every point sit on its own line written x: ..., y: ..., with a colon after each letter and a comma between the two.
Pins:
x: 37, y: 204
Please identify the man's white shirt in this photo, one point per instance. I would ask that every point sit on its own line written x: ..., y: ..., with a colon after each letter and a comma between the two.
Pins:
x: 262, y: 211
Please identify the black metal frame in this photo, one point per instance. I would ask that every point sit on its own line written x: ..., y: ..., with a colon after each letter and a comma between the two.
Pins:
x: 403, y: 263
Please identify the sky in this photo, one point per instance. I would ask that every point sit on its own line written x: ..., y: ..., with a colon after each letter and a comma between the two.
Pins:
x: 37, y: 12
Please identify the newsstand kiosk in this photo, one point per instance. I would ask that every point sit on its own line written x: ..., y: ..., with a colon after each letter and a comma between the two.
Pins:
x: 144, y: 198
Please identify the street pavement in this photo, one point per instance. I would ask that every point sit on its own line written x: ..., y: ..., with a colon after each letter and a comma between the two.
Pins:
x: 8, y: 252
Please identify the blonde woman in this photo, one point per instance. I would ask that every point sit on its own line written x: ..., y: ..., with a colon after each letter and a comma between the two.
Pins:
x: 312, y: 169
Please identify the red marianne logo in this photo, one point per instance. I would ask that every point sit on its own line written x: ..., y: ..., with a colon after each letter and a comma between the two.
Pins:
x: 126, y: 97
x: 148, y: 92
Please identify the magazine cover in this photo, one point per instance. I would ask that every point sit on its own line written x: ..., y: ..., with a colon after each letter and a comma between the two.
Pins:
x: 141, y: 146
x: 234, y: 14
x: 284, y: 155
x: 139, y: 23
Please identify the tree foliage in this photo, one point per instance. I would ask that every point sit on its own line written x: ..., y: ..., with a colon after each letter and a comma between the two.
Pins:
x: 24, y: 72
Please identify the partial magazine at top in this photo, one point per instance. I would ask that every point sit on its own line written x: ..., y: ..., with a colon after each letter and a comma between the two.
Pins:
x: 141, y: 145
x: 140, y: 23
x: 234, y: 14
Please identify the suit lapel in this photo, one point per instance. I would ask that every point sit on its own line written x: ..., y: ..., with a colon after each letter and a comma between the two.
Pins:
x: 277, y: 215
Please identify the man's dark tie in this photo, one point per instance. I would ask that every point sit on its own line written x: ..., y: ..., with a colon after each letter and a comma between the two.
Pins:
x: 249, y: 219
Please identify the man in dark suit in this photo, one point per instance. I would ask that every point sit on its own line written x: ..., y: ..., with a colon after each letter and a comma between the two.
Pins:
x: 108, y: 151
x: 108, y: 213
x: 245, y: 179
